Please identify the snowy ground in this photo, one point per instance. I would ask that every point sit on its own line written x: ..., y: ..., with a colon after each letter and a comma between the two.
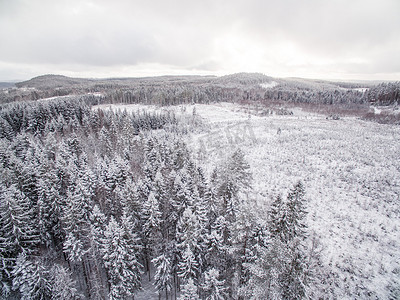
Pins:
x: 351, y: 171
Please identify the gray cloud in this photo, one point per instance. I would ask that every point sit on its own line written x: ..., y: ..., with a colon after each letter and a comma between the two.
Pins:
x: 282, y: 38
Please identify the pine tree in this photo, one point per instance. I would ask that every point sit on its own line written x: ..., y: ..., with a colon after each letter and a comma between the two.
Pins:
x: 189, y: 291
x: 4, y: 280
x: 76, y: 213
x: 26, y: 171
x: 288, y: 227
x: 297, y: 212
x: 31, y: 279
x: 152, y: 223
x: 6, y: 130
x: 152, y: 213
x: 287, y: 216
x: 239, y: 169
x: 231, y: 180
x: 242, y: 235
x: 120, y: 259
x: 188, y: 266
x: 161, y: 194
x: 268, y: 263
x: 48, y: 210
x: 97, y: 227
x: 129, y: 197
x: 293, y: 279
x: 214, y: 255
x: 163, y: 274
x: 189, y: 232
x: 62, y: 285
x: 96, y: 237
x: 278, y: 220
x: 134, y: 249
x: 18, y: 230
x: 213, y: 286
x: 181, y: 192
x: 73, y: 247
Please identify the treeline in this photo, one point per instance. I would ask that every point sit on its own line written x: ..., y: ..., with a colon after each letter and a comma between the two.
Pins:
x: 174, y: 95
x: 183, y: 90
x: 385, y: 93
x: 186, y: 90
x: 92, y: 201
x: 316, y: 96
x: 60, y: 115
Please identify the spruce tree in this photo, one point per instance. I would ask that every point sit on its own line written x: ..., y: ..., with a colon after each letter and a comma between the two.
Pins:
x: 188, y: 266
x: 62, y: 284
x: 31, y: 279
x: 287, y: 225
x: 163, y: 274
x: 120, y: 256
x: 18, y: 230
x: 189, y: 233
x: 213, y: 287
x: 189, y: 291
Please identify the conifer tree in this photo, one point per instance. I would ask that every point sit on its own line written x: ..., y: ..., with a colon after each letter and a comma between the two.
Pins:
x: 189, y: 232
x: 152, y: 218
x: 121, y: 261
x: 98, y: 224
x: 213, y: 287
x: 62, y: 285
x: 31, y: 279
x: 297, y: 211
x: 48, y: 210
x: 214, y: 255
x: 188, y: 266
x: 181, y: 192
x: 18, y: 230
x: 163, y: 274
x: 288, y: 227
x: 264, y: 270
x: 131, y: 202
x: 287, y: 215
x: 74, y: 248
x: 189, y: 291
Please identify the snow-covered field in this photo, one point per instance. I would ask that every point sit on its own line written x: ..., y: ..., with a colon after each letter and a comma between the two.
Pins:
x: 351, y: 171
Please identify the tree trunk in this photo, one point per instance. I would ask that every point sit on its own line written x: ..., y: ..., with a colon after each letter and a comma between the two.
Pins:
x: 85, y: 276
x: 175, y: 283
x: 148, y: 268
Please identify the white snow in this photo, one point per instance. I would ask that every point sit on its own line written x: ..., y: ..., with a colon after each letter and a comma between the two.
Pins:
x: 351, y: 171
x: 269, y: 85
x: 377, y: 111
x: 57, y: 97
x: 362, y: 90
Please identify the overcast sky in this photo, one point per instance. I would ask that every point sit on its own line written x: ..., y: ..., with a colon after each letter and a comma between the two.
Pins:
x: 330, y: 39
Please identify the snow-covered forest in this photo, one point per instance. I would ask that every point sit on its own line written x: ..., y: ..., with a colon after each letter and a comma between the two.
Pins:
x: 92, y: 201
x: 217, y: 201
x: 173, y: 90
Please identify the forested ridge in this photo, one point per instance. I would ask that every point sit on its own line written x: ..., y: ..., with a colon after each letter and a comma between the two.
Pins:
x: 92, y: 201
x: 172, y: 90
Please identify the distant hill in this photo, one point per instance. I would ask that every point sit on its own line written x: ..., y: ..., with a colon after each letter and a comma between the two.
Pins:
x: 172, y: 90
x: 53, y: 81
x: 46, y: 82
x: 244, y: 79
x: 5, y: 85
